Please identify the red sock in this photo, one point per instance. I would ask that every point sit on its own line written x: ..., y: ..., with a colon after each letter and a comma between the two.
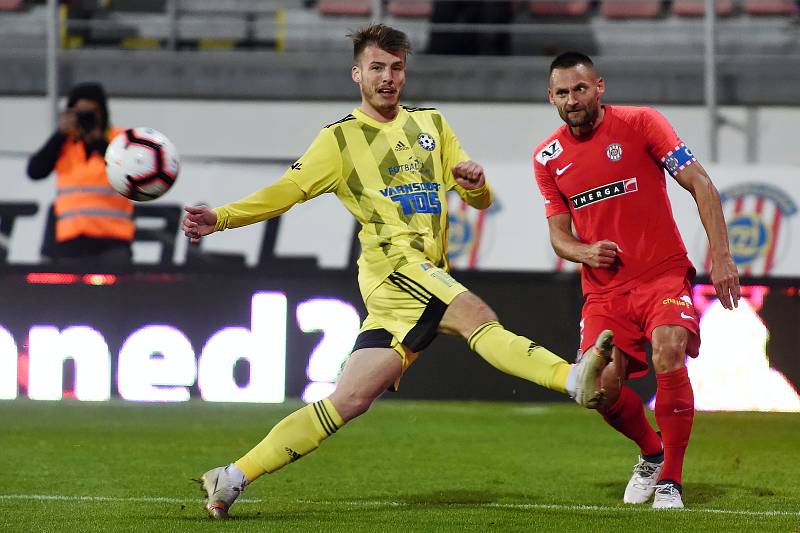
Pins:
x: 627, y: 416
x: 674, y: 414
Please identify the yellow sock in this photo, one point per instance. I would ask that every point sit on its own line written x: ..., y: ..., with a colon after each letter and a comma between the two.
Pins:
x: 519, y: 356
x: 297, y: 435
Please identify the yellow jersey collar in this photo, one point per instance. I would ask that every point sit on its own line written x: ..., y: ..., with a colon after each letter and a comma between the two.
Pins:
x: 398, y: 121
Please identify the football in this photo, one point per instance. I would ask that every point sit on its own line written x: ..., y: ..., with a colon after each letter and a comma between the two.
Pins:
x: 142, y: 164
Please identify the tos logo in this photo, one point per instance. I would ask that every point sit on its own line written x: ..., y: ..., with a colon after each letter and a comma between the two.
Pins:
x: 755, y: 212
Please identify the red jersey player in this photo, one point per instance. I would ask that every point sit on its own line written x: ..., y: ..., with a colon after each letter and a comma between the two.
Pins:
x: 603, y: 172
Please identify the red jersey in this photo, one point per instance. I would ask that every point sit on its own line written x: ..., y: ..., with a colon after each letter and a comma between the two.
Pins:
x: 612, y: 183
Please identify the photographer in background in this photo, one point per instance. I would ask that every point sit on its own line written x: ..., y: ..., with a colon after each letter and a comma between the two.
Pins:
x: 93, y: 223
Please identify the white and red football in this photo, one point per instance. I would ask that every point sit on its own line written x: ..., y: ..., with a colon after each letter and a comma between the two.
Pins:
x: 142, y: 163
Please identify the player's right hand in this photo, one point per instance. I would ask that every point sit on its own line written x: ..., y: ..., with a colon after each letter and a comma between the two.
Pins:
x: 199, y: 221
x: 725, y: 277
x: 601, y: 254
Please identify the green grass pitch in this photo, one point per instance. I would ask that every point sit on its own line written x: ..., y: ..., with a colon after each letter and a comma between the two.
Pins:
x: 404, y: 466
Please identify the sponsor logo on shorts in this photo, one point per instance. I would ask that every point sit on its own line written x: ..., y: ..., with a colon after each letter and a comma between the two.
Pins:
x: 684, y: 301
x: 604, y: 192
x: 444, y: 277
x: 684, y: 315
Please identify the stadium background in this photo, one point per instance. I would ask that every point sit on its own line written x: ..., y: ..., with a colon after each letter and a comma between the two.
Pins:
x: 241, y: 87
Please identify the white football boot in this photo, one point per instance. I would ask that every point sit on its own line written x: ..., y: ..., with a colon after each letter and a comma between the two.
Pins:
x: 582, y: 379
x: 222, y: 487
x: 643, y: 481
x: 667, y: 496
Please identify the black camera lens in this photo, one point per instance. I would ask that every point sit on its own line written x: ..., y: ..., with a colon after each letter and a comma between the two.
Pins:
x: 87, y: 121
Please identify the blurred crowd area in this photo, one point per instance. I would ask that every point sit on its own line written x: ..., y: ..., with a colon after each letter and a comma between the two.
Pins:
x: 464, y: 50
x: 448, y: 27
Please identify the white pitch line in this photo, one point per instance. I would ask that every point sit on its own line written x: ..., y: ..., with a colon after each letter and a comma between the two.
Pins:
x: 391, y: 504
x: 134, y: 499
x: 552, y: 506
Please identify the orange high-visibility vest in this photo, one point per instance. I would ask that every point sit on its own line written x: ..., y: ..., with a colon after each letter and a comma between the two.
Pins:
x: 86, y: 205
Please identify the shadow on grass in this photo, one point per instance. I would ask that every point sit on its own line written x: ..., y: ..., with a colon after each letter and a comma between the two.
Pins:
x: 696, y: 493
x: 243, y: 515
x: 432, y: 500
x: 460, y: 497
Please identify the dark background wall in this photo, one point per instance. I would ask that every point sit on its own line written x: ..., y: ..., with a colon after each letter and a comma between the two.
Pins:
x: 544, y: 307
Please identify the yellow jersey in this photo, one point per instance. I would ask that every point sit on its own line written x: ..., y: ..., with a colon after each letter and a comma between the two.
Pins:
x: 392, y: 176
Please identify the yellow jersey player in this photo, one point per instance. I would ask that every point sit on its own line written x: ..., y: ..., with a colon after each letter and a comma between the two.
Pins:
x: 391, y: 166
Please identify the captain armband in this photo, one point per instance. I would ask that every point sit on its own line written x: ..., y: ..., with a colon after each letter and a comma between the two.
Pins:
x: 679, y: 158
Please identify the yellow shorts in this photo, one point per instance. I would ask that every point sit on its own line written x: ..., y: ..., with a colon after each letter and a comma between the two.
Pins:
x: 404, y: 312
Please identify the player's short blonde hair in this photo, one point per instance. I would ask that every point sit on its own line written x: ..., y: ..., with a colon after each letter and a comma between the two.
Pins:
x: 380, y: 35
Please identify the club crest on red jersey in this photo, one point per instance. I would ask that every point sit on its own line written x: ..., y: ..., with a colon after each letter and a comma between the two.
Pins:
x: 614, y: 151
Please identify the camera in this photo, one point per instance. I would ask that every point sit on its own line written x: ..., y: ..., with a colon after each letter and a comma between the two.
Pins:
x: 87, y: 121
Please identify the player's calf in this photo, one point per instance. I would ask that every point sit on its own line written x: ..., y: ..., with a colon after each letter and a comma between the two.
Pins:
x: 611, y: 380
x: 583, y: 379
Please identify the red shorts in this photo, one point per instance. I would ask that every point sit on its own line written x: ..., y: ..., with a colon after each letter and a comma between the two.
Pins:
x: 633, y: 314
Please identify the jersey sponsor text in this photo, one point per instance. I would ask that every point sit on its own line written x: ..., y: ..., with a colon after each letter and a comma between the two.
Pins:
x: 604, y: 192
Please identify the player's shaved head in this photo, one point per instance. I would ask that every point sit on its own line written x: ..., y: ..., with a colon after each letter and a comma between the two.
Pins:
x: 572, y: 59
x: 382, y: 36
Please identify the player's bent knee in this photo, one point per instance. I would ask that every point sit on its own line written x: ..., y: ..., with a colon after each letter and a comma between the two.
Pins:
x: 464, y: 314
x: 669, y: 348
x: 669, y: 357
x: 350, y: 406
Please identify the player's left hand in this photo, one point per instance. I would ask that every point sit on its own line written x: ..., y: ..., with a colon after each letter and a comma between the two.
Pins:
x: 725, y: 277
x: 469, y: 175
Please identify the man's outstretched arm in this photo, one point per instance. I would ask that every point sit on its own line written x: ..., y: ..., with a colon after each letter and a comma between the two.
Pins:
x: 724, y: 274
x: 269, y: 202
